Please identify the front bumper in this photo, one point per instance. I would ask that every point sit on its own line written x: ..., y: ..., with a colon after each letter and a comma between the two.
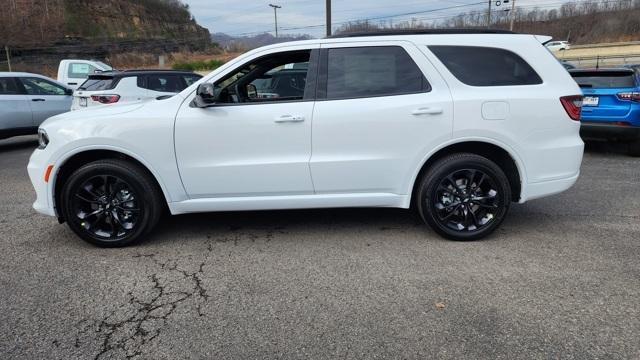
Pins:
x: 36, y: 169
x: 604, y: 131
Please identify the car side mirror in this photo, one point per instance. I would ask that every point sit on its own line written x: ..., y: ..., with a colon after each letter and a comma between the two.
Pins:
x: 252, y: 91
x: 205, y: 95
x: 68, y: 92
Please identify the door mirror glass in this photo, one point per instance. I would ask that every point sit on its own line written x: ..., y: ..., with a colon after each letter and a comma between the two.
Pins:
x: 252, y: 91
x: 205, y: 95
x: 68, y: 92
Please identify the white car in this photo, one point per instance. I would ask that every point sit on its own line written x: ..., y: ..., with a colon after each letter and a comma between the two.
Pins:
x: 558, y: 45
x: 124, y: 86
x: 459, y: 125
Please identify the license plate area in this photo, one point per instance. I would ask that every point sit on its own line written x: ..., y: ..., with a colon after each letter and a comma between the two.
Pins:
x: 83, y: 101
x: 590, y: 101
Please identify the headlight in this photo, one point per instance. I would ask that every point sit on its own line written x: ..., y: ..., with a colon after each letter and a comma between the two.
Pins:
x: 43, y: 139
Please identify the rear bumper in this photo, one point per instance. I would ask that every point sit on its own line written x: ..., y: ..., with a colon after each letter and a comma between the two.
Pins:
x: 604, y: 131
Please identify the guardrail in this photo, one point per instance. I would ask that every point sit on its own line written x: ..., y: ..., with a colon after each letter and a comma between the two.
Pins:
x: 602, y: 61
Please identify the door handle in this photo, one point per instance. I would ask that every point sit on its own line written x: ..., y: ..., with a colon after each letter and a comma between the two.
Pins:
x: 37, y: 100
x: 72, y: 83
x: 427, y: 111
x: 289, y: 119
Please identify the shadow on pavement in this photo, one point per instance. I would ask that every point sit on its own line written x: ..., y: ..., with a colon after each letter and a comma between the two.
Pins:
x: 18, y: 143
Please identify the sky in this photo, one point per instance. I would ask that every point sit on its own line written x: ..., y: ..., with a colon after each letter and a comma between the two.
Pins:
x: 251, y: 17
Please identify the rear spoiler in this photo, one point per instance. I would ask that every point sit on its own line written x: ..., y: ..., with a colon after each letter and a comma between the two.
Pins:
x: 544, y: 39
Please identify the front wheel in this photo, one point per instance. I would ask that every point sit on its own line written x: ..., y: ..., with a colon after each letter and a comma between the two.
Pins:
x: 464, y: 197
x: 111, y: 203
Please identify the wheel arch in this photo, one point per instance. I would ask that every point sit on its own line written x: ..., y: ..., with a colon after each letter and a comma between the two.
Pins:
x: 496, y: 152
x: 76, y: 159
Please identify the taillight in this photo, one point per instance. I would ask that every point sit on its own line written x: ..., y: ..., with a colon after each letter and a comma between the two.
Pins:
x: 573, y: 106
x: 629, y: 96
x: 105, y: 99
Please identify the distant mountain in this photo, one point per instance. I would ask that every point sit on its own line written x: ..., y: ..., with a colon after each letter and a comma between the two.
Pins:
x: 251, y: 42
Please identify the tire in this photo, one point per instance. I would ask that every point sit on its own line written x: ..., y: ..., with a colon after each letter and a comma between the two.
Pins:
x: 474, y: 207
x: 111, y: 203
x: 634, y: 148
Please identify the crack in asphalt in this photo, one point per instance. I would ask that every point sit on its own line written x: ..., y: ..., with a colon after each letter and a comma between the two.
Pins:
x: 150, y: 315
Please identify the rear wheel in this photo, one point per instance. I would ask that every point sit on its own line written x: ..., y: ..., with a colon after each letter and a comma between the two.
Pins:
x: 464, y: 197
x: 111, y: 203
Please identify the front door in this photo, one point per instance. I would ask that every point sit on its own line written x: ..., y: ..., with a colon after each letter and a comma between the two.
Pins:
x: 47, y: 98
x: 256, y: 139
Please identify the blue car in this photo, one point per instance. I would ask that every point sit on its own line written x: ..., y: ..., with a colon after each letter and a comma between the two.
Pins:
x: 611, y: 105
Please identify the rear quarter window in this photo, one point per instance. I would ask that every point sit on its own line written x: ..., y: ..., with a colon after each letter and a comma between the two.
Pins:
x: 605, y: 80
x: 485, y: 66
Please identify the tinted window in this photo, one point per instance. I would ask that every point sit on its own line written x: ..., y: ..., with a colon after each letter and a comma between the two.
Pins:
x: 80, y: 71
x: 191, y: 78
x: 37, y: 86
x: 594, y: 79
x: 100, y: 83
x: 8, y: 86
x: 483, y: 66
x: 372, y: 71
x: 165, y: 83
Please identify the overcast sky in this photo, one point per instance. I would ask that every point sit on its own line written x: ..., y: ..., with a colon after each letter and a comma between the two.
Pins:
x: 248, y: 17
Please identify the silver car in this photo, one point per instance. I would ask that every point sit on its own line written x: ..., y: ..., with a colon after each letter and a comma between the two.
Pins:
x: 26, y: 100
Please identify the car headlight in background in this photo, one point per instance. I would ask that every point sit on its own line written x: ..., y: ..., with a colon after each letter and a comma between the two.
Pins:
x: 43, y: 139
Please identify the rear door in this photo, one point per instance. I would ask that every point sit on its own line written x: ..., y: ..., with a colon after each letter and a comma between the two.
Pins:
x: 381, y: 108
x: 46, y: 98
x: 604, y: 92
x: 15, y: 111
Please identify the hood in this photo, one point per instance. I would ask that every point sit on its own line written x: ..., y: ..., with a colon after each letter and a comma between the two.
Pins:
x: 97, y: 112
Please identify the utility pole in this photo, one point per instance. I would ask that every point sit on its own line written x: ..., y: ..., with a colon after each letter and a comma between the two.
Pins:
x: 513, y: 14
x: 6, y: 50
x: 489, y: 15
x: 275, y: 14
x: 328, y: 10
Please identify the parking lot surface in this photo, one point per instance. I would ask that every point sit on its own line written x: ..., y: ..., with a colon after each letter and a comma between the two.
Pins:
x: 559, y: 280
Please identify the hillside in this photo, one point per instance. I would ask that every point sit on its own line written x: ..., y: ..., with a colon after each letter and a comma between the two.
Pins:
x: 41, y: 23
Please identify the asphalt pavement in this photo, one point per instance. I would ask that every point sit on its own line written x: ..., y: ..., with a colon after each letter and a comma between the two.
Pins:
x: 559, y: 280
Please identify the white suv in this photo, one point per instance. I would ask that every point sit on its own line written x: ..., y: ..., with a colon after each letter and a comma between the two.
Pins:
x: 455, y: 124
x: 117, y: 87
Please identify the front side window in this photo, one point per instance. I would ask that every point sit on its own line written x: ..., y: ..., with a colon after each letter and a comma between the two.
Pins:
x: 8, y: 86
x: 277, y: 77
x: 372, y: 71
x: 485, y: 66
x: 37, y: 86
x: 80, y: 70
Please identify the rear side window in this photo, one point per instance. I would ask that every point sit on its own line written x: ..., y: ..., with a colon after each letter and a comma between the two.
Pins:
x: 8, y: 86
x: 484, y: 66
x: 372, y: 71
x: 605, y: 80
x: 165, y: 83
x: 99, y: 83
x: 80, y: 71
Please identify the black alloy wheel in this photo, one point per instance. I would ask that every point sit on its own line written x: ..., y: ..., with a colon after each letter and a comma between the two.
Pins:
x: 464, y: 197
x: 111, y: 203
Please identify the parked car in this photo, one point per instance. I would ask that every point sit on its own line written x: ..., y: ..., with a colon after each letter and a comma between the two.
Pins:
x: 611, y: 106
x: 458, y: 123
x: 73, y: 72
x: 123, y: 86
x: 26, y: 100
x: 558, y: 45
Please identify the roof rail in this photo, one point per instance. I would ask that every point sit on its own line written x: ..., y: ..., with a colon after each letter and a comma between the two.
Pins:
x: 421, y: 32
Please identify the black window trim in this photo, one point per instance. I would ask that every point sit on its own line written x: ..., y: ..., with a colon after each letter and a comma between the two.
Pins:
x: 323, y: 75
x: 542, y: 82
x: 312, y: 78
